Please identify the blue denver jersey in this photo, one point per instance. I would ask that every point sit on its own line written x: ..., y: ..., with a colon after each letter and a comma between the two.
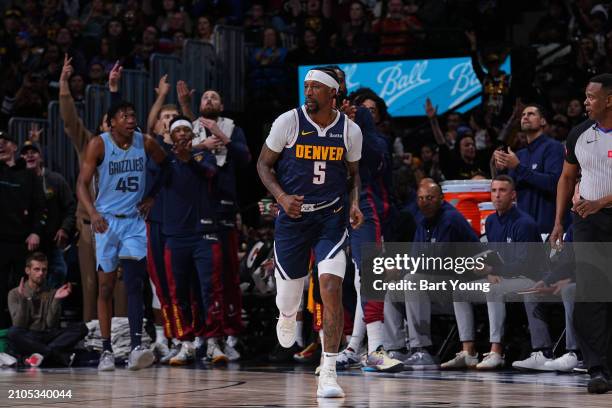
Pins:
x: 313, y: 165
x: 122, y: 176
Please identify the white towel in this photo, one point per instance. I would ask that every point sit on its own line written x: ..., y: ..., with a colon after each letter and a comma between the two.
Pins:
x: 227, y: 127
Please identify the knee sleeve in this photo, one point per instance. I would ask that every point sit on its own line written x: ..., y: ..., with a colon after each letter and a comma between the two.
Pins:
x: 289, y: 295
x: 335, y: 266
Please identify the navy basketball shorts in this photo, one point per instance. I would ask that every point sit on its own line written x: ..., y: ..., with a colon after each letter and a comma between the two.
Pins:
x: 324, y: 230
x: 368, y: 233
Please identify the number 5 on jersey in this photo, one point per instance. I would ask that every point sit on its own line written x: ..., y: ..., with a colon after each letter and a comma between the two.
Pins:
x: 319, y: 172
x: 130, y: 186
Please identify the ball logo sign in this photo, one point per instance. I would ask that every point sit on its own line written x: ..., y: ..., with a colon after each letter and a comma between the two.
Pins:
x: 404, y: 85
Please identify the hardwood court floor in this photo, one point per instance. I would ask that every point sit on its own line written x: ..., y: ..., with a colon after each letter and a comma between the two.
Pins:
x: 285, y: 386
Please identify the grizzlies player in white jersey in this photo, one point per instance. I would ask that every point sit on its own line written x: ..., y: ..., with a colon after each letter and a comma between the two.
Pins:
x: 120, y: 156
x: 315, y: 149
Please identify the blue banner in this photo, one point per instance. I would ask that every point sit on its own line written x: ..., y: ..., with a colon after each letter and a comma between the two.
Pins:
x: 404, y: 85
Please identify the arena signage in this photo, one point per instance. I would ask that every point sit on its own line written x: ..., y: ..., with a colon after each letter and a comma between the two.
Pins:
x: 405, y: 84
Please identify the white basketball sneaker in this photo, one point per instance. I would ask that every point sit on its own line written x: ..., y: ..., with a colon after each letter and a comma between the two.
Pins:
x: 286, y: 330
x: 328, y: 385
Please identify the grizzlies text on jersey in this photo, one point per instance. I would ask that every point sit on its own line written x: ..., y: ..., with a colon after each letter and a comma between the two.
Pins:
x: 122, y: 176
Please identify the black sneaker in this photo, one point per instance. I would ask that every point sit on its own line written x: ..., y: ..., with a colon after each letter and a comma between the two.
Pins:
x: 598, y: 384
x: 283, y: 355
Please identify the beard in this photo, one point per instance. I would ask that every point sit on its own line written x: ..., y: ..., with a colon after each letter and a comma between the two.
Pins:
x: 210, y: 113
x: 315, y: 107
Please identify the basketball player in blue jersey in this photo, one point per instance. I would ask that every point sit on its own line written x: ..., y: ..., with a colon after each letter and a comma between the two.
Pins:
x: 119, y: 157
x: 315, y: 150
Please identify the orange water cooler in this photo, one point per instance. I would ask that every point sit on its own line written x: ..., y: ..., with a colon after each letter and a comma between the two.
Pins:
x: 465, y: 195
x: 485, y: 209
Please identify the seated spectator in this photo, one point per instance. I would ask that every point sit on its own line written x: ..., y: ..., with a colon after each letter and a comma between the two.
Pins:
x: 314, y: 19
x: 35, y: 312
x: 309, y: 52
x: 107, y: 57
x: 162, y: 23
x: 132, y: 24
x: 64, y: 40
x: 559, y: 128
x: 52, y: 62
x: 97, y: 75
x: 28, y: 60
x: 439, y: 222
x: 397, y: 30
x: 589, y: 60
x: 357, y: 36
x: 179, y: 22
x: 204, y: 30
x: 255, y: 23
x: 266, y: 63
x: 178, y: 40
x: 560, y: 281
x: 117, y: 39
x: 575, y: 112
x: 94, y: 18
x: 431, y: 162
x: 507, y: 224
x: 77, y: 86
x: 141, y: 54
x: 31, y: 99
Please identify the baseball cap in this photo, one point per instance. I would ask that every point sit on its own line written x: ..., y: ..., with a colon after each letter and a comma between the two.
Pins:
x: 29, y: 145
x: 5, y: 135
x: 464, y: 130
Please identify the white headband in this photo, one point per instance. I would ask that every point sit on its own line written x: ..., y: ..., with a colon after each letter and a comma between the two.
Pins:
x: 322, y: 77
x: 181, y: 122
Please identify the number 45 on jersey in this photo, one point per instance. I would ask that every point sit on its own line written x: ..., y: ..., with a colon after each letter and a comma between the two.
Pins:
x: 127, y: 184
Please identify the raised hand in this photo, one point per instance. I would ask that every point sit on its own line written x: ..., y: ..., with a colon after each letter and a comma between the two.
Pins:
x: 184, y: 93
x: 163, y: 87
x: 430, y: 111
x: 35, y: 133
x: 63, y: 292
x: 114, y: 77
x: 32, y: 242
x: 67, y: 69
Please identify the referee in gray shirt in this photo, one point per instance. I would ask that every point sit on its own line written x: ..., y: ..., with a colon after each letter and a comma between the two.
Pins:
x: 589, y: 150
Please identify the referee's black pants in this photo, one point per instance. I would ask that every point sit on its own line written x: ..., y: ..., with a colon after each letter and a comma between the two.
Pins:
x: 592, y: 319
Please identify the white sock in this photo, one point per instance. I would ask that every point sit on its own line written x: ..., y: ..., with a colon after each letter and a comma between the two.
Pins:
x: 322, y: 338
x: 299, y: 339
x: 231, y: 341
x: 160, y: 337
x: 375, y: 335
x: 329, y: 360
